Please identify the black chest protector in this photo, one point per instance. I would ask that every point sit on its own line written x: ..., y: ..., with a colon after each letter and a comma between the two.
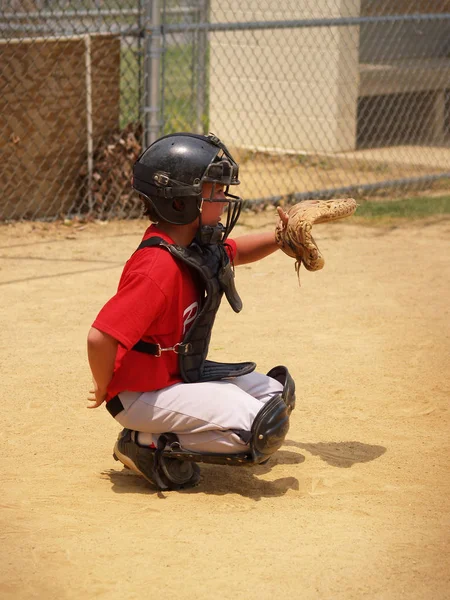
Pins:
x: 211, y: 264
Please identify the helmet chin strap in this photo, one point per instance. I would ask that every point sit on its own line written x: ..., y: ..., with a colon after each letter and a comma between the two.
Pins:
x: 208, y: 234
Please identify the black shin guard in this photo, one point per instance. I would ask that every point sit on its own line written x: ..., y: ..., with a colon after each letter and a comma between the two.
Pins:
x: 268, y: 432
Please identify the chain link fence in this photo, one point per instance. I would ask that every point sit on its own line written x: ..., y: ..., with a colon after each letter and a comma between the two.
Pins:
x: 315, y: 98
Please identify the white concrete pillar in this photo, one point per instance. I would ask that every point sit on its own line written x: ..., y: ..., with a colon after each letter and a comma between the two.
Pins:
x: 286, y: 89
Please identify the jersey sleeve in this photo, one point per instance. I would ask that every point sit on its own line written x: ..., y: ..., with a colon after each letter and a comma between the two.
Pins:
x: 129, y: 314
x: 231, y: 249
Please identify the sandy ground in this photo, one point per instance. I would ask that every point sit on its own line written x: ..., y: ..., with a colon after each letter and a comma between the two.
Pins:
x: 356, y: 503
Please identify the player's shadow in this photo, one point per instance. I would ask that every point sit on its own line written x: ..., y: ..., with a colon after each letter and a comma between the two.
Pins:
x: 341, y: 454
x: 247, y: 482
x: 219, y: 480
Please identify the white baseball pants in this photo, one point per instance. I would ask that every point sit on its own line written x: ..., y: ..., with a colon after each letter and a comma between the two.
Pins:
x: 202, y: 415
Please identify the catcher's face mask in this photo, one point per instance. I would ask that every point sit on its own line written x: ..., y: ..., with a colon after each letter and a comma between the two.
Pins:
x: 223, y: 171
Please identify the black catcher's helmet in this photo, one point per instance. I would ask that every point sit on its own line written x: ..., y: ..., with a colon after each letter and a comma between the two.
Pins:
x: 175, y: 168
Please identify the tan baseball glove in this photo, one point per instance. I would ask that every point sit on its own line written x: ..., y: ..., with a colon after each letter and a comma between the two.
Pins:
x: 293, y: 229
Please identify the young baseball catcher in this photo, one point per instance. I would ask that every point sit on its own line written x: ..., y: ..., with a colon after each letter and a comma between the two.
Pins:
x: 148, y: 346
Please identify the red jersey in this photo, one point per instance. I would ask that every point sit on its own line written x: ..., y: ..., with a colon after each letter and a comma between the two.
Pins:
x: 157, y: 301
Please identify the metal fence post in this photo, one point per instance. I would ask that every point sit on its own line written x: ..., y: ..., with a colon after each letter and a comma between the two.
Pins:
x: 202, y: 65
x: 152, y: 66
x: 89, y: 123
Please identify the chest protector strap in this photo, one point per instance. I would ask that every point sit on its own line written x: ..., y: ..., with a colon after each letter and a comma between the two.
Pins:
x: 212, y: 265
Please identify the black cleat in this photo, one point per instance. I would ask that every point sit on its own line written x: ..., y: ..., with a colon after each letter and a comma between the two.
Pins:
x: 170, y: 474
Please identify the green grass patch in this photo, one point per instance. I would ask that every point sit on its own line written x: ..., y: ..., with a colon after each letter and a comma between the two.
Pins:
x: 179, y: 109
x: 406, y: 208
x: 180, y: 90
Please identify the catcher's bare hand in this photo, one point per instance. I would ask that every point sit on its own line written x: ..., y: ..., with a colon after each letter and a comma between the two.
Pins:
x: 97, y: 397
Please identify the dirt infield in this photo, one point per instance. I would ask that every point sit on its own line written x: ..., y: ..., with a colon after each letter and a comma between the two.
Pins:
x: 355, y: 505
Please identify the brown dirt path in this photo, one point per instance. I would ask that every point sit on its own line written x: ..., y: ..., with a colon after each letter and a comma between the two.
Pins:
x: 356, y: 503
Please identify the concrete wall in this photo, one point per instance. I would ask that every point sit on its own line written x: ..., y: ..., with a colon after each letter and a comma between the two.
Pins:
x: 43, y: 141
x: 291, y: 90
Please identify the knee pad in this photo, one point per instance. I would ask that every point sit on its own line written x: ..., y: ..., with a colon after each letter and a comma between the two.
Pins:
x: 281, y: 374
x: 269, y: 429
